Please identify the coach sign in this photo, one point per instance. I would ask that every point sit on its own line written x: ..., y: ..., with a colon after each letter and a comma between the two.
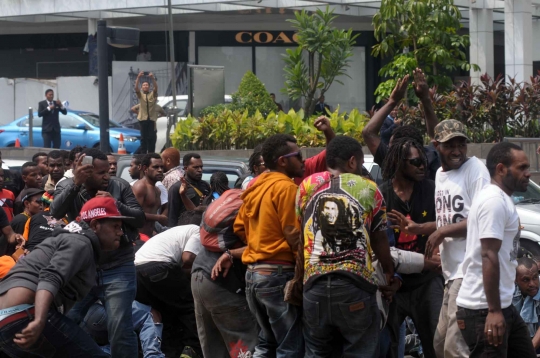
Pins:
x: 266, y: 37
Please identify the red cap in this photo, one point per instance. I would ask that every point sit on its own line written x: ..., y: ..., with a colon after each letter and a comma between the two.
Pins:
x: 101, y: 208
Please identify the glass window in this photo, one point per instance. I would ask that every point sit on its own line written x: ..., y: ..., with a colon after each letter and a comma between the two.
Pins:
x: 269, y: 65
x: 36, y: 122
x: 352, y: 94
x: 68, y: 121
x: 236, y: 60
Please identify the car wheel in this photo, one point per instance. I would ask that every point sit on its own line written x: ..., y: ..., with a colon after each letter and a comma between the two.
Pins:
x: 528, y: 248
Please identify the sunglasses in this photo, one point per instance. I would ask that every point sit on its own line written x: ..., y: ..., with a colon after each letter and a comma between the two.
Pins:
x: 290, y: 155
x: 261, y: 164
x: 417, y: 162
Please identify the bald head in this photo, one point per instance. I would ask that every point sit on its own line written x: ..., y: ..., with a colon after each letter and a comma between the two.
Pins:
x: 171, y: 158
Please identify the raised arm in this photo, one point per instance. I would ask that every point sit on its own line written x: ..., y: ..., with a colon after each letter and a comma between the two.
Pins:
x: 421, y: 90
x: 154, y: 82
x: 370, y: 133
x: 137, y: 88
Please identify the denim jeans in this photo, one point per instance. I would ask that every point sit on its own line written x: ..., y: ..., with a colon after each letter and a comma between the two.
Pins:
x: 516, y: 340
x: 150, y: 333
x: 336, y: 307
x: 61, y: 337
x: 117, y: 288
x: 280, y: 323
x: 225, y: 324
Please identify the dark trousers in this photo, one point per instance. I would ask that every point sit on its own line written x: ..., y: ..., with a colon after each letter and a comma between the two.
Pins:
x: 423, y: 306
x: 516, y: 340
x: 167, y: 288
x: 51, y: 139
x: 61, y: 337
x: 148, y: 136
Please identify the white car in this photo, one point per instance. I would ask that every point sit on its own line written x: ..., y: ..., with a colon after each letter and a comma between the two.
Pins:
x: 166, y: 103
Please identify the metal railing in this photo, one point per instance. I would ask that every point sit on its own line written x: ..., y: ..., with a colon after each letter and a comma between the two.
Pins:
x: 529, y: 145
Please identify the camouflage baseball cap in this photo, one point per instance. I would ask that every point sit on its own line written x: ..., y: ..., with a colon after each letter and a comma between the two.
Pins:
x: 449, y: 129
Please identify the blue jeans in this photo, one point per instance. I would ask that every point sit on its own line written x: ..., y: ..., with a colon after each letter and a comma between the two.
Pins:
x: 150, y: 333
x: 280, y: 323
x: 61, y: 337
x: 336, y: 307
x: 117, y: 288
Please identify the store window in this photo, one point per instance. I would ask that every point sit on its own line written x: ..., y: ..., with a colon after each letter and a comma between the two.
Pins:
x: 269, y: 65
x: 236, y: 60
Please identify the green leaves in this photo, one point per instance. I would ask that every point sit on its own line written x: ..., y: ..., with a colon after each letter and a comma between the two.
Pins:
x: 426, y: 30
x: 323, y: 54
x: 237, y: 130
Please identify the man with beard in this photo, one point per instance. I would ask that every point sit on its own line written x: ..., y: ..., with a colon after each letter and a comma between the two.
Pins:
x: 458, y: 182
x: 113, y: 164
x: 117, y: 283
x: 410, y: 205
x: 148, y: 195
x: 343, y: 221
x: 55, y: 162
x: 197, y: 189
x: 488, y: 321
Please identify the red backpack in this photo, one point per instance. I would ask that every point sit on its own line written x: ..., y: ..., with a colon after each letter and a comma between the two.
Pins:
x: 218, y: 218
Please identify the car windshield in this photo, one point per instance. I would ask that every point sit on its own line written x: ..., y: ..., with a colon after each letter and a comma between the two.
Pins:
x: 93, y: 119
x: 531, y: 196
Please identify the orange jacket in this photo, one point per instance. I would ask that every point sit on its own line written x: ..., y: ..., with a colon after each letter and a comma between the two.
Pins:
x: 268, y: 210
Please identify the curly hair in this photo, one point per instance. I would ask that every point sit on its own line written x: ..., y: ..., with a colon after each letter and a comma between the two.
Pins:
x: 397, y: 153
x: 407, y: 132
x: 274, y: 147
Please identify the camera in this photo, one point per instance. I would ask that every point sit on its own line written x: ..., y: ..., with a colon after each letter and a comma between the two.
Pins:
x: 146, y: 73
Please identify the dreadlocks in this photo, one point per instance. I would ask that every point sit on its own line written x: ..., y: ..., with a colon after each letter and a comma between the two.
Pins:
x: 219, y: 183
x: 255, y: 158
x: 397, y: 153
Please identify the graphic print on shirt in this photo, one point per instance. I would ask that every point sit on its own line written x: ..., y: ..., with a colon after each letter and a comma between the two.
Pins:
x: 515, y: 244
x: 337, y: 217
x: 408, y: 242
x: 449, y: 208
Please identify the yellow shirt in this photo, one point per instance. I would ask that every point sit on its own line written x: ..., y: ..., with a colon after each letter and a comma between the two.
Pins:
x: 148, y: 106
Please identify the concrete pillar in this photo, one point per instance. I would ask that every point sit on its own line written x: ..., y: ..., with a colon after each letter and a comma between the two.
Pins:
x: 518, y: 39
x: 92, y: 47
x: 481, y: 36
x: 191, y: 48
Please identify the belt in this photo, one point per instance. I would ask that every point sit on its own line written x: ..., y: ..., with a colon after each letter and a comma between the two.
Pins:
x: 17, y: 316
x: 268, y: 268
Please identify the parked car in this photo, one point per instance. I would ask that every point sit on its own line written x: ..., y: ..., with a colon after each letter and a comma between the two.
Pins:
x: 161, y: 124
x: 233, y: 168
x: 15, y: 165
x: 78, y: 128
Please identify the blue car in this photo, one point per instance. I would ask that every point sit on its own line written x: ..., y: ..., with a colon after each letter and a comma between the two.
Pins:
x: 78, y: 128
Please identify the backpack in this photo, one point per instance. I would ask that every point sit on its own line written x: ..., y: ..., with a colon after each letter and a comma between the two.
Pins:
x: 218, y: 219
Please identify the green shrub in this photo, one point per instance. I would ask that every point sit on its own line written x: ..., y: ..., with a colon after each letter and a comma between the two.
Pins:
x: 215, y: 109
x: 252, y: 96
x: 238, y: 130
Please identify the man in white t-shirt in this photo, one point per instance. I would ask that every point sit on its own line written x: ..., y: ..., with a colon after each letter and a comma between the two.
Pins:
x: 163, y: 266
x: 456, y: 184
x: 488, y: 321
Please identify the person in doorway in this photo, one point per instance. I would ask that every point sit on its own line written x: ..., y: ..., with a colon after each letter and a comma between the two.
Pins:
x: 343, y: 220
x: 322, y: 108
x: 31, y: 176
x: 116, y: 287
x: 279, y: 107
x: 148, y: 194
x: 410, y: 204
x: 458, y: 182
x: 55, y: 163
x: 49, y: 110
x: 264, y: 220
x: 32, y: 205
x: 526, y: 298
x: 113, y: 164
x: 47, y: 283
x: 173, y: 170
x: 147, y: 113
x: 488, y: 321
x: 143, y: 55
x: 197, y: 189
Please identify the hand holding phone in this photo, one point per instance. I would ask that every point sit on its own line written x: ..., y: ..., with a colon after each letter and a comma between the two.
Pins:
x: 87, y: 160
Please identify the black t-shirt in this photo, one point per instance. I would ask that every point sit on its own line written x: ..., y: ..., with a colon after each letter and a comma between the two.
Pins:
x: 41, y: 227
x: 433, y: 159
x: 3, y: 218
x: 176, y: 206
x: 420, y: 209
x: 18, y: 223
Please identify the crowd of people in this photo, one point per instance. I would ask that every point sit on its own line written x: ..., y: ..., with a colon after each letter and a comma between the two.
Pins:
x: 303, y: 258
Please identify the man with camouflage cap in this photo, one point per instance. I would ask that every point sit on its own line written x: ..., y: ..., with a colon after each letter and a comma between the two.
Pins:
x: 457, y: 182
